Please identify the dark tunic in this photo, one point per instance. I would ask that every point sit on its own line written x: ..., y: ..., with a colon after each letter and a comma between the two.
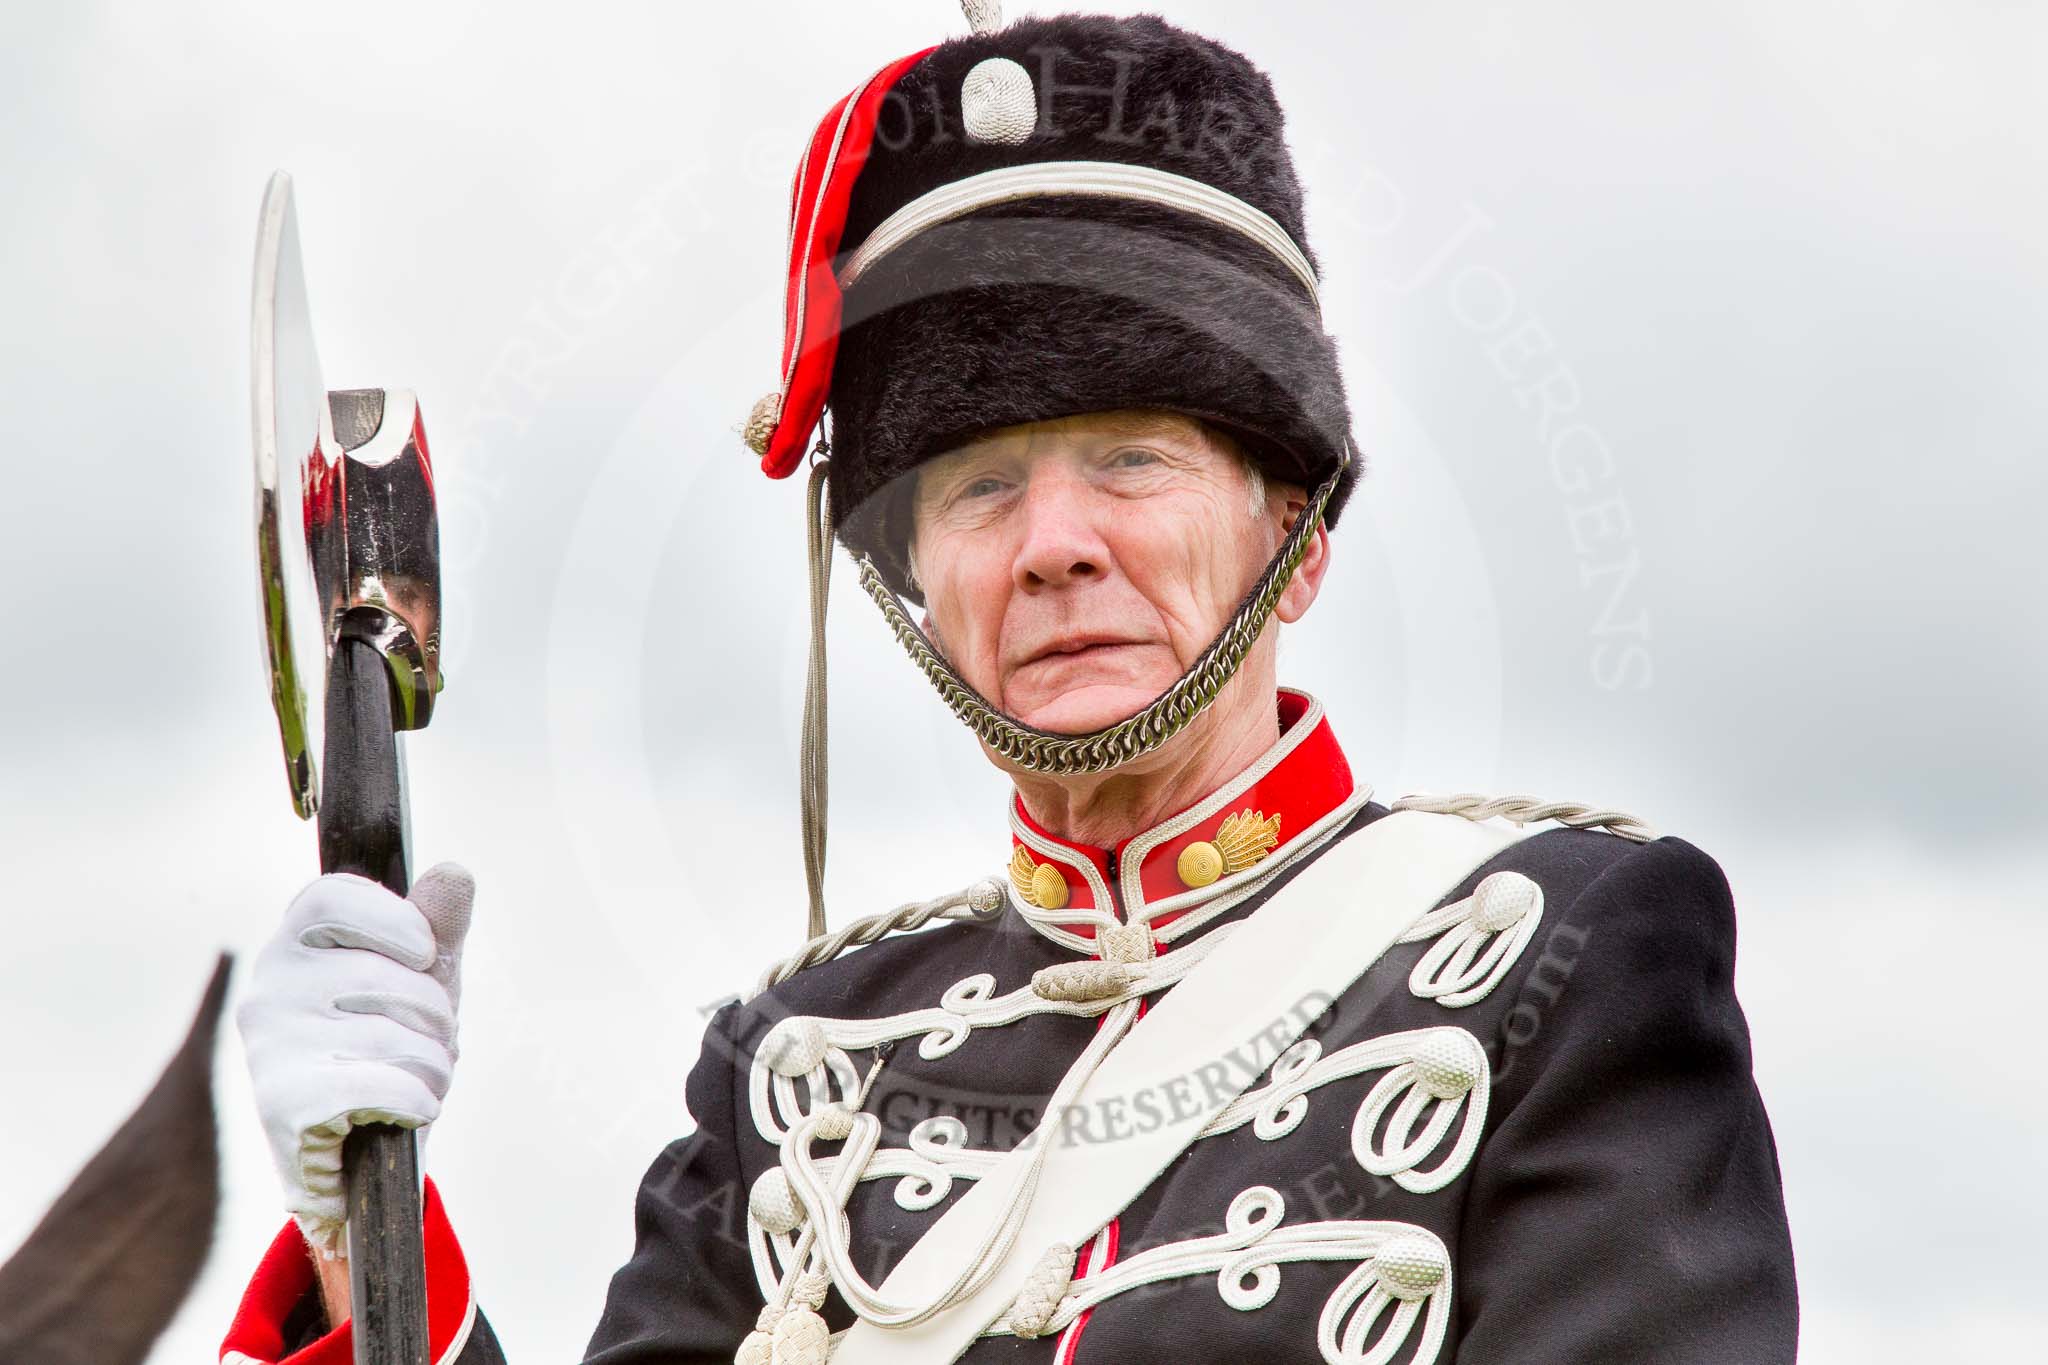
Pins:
x: 1623, y: 1202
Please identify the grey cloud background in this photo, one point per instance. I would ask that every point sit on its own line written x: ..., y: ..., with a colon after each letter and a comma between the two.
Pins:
x: 1788, y: 257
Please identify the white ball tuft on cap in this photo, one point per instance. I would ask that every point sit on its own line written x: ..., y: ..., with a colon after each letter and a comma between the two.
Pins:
x: 997, y: 102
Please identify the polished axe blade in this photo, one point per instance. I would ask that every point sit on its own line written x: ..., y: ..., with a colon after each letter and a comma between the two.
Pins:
x: 293, y: 440
x: 348, y: 540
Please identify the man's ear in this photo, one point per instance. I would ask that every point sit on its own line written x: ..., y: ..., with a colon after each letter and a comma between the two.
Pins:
x: 1301, y: 590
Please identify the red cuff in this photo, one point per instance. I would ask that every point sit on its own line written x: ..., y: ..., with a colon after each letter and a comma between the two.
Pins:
x: 286, y: 1274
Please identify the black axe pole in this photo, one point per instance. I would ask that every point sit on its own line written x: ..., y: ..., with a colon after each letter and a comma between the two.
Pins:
x: 362, y: 830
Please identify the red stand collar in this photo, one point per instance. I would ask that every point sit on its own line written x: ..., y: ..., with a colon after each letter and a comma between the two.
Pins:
x: 1301, y: 779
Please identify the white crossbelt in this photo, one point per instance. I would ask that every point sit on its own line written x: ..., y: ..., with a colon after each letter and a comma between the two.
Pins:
x: 1256, y: 992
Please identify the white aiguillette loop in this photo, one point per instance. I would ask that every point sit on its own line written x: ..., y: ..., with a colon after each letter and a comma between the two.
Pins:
x: 1258, y: 990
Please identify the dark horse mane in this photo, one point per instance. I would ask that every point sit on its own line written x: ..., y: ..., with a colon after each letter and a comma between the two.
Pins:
x: 106, y: 1268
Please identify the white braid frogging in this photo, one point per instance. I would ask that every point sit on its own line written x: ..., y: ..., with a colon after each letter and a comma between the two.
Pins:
x: 813, y: 1049
x: 1404, y: 1275
x: 1478, y: 939
x: 823, y: 1194
x: 1441, y: 1072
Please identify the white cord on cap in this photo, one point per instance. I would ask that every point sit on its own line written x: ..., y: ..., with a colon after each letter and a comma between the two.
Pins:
x: 1105, y: 179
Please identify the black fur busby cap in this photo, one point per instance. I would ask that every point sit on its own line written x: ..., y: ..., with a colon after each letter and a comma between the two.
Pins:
x: 1054, y: 304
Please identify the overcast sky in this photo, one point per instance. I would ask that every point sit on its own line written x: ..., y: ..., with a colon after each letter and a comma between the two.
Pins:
x: 1784, y: 266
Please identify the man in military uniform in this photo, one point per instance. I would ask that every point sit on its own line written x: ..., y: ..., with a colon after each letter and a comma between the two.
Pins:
x: 1231, y: 1062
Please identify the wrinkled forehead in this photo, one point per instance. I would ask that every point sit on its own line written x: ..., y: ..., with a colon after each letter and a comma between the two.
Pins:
x: 1092, y: 427
x: 1085, y: 434
x: 885, y: 523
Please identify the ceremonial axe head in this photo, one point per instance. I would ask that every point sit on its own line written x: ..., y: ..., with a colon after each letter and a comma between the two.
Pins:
x: 348, y: 553
x: 348, y: 544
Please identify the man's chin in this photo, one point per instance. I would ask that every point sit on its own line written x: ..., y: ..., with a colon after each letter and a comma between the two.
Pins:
x: 1084, y: 710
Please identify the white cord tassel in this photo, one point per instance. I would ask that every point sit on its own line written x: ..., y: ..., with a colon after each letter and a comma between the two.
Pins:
x: 983, y: 16
x: 1040, y: 1297
x: 801, y: 1338
x: 759, y: 1346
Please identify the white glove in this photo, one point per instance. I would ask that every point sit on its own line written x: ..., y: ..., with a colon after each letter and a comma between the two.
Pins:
x: 349, y: 1018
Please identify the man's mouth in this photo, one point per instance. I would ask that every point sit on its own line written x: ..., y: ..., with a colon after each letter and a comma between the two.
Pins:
x: 1069, y: 646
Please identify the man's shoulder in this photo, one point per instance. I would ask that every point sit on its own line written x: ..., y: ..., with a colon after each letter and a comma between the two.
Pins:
x: 1613, y: 875
x: 1607, y: 874
x: 1621, y: 913
x: 1589, y: 848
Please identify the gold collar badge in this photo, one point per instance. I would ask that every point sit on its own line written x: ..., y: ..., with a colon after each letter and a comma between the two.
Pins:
x: 1040, y: 884
x: 1241, y: 841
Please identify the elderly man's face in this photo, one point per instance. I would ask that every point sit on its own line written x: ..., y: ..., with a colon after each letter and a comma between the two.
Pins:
x: 1074, y: 569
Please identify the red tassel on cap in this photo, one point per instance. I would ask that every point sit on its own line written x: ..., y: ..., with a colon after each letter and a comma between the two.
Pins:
x: 817, y: 216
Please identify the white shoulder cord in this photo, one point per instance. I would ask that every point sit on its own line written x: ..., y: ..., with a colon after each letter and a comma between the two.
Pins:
x: 1522, y: 810
x: 979, y: 901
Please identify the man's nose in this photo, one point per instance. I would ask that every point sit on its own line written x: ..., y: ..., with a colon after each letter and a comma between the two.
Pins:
x: 1062, y: 541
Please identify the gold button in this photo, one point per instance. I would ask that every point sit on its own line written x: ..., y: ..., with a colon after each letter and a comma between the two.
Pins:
x: 1200, y: 863
x: 1048, y: 887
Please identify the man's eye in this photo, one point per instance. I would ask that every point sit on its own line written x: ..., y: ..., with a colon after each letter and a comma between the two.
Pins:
x: 982, y: 488
x: 1133, y: 456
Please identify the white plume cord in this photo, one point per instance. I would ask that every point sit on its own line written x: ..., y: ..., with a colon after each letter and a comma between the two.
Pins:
x: 983, y: 16
x: 811, y: 761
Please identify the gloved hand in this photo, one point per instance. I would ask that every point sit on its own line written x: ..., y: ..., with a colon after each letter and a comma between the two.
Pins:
x: 349, y: 1018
